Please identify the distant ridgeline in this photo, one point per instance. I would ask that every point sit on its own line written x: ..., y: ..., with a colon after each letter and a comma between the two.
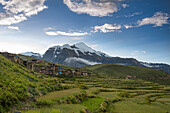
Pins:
x: 45, y: 67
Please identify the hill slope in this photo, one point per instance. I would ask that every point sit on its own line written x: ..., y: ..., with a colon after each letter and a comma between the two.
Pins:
x: 120, y: 71
x: 18, y: 84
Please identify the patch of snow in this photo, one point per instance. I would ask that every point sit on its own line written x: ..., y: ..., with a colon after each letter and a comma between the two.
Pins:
x: 80, y: 47
x: 30, y: 54
x: 89, y: 54
x: 84, y: 48
x: 58, y: 52
x: 76, y: 52
x: 146, y: 64
x: 68, y: 60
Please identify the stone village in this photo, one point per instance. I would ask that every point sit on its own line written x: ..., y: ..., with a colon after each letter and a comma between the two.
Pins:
x: 42, y: 66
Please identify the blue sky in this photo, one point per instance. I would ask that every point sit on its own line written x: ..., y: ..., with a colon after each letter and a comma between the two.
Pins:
x: 126, y: 28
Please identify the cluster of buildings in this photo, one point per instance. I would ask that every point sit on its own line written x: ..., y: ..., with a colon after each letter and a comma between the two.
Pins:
x: 42, y: 66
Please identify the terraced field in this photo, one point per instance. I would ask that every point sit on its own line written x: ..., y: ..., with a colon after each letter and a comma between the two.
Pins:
x: 137, y: 97
x: 25, y: 91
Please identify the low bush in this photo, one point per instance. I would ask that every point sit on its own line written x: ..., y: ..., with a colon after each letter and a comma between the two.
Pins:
x: 124, y: 94
x: 44, y: 103
x: 84, y: 111
x: 97, y: 91
x: 82, y: 86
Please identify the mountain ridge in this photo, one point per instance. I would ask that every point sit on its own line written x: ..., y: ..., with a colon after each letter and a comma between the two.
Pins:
x: 79, y: 55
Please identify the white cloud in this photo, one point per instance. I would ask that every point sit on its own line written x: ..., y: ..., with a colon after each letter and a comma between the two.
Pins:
x: 106, y: 28
x: 125, y: 5
x: 74, y: 59
x: 138, y: 52
x: 14, y: 28
x: 49, y: 28
x: 158, y: 19
x: 54, y: 33
x: 17, y: 11
x: 93, y: 7
x: 78, y: 38
x: 143, y: 52
x: 128, y: 26
x: 133, y: 14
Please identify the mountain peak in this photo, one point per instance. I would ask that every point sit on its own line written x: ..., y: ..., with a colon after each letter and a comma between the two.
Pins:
x: 84, y: 48
x: 80, y: 43
x: 79, y: 47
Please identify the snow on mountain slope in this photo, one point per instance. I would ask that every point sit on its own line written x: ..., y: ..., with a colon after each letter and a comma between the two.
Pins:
x: 152, y: 65
x: 82, y: 47
x: 32, y: 54
x: 79, y: 54
x: 146, y: 64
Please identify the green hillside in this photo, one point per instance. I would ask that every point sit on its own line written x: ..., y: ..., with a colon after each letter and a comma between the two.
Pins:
x: 121, y: 71
x: 25, y: 91
x: 18, y: 84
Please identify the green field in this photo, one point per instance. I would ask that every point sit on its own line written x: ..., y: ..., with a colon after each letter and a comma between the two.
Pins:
x: 121, y: 71
x: 25, y: 91
x: 138, y: 105
x: 62, y: 108
x: 59, y: 94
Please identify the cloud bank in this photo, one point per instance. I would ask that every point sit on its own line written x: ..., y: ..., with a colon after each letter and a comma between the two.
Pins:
x: 17, y: 11
x: 98, y: 8
x: 74, y: 59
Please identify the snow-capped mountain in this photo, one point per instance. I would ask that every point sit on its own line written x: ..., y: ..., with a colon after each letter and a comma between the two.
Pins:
x: 77, y: 55
x: 77, y: 48
x: 35, y: 55
x: 80, y: 54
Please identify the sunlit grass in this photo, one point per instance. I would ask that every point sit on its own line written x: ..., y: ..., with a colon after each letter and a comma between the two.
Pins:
x: 137, y: 105
x: 55, y: 108
x: 92, y: 103
x: 59, y: 94
x: 108, y: 95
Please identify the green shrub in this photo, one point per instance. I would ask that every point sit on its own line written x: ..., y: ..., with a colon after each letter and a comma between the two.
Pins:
x: 116, y: 100
x: 44, y: 103
x: 91, y: 96
x: 148, y: 100
x: 82, y: 86
x: 124, y: 94
x: 84, y: 111
x: 97, y: 91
